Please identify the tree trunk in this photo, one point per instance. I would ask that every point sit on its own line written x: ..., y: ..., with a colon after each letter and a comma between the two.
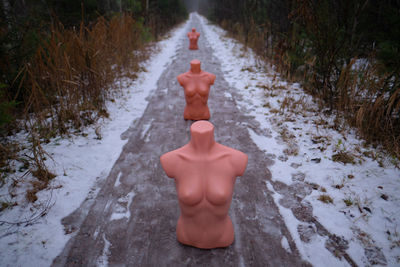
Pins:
x: 6, y: 7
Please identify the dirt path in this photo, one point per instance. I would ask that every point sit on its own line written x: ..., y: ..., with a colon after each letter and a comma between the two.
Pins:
x: 132, y: 220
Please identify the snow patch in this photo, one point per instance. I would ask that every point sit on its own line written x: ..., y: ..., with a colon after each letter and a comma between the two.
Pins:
x: 285, y: 244
x: 122, y: 209
x: 102, y: 261
x: 117, y: 181
x: 144, y: 135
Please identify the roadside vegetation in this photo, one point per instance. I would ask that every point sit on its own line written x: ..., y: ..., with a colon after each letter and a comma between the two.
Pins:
x: 345, y: 53
x: 59, y: 61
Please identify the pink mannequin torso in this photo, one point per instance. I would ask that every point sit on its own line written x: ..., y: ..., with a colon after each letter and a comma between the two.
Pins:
x: 193, y: 38
x: 196, y: 84
x: 205, y: 173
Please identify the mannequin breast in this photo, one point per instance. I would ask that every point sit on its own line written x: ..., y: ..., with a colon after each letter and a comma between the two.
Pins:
x: 197, y: 84
x: 194, y: 90
x: 193, y: 35
x: 209, y: 184
x: 216, y: 191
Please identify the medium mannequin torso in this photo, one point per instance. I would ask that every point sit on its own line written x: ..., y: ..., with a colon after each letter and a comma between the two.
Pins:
x: 204, y: 184
x: 196, y: 84
x: 196, y: 89
x: 193, y: 38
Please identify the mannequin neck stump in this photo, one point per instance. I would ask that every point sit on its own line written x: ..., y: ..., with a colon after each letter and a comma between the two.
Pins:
x: 202, y: 136
x: 195, y: 66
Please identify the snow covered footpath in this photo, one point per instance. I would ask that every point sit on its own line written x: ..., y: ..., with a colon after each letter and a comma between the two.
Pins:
x: 80, y: 163
x: 357, y: 201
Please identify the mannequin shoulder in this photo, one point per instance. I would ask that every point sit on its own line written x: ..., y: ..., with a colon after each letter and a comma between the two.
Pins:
x: 238, y: 159
x: 237, y: 155
x: 169, y: 162
x: 182, y: 78
x: 172, y: 161
x: 211, y: 77
x: 174, y: 157
x: 167, y: 157
x: 233, y: 154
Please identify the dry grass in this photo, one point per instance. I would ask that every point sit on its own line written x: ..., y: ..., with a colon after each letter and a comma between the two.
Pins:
x: 343, y: 157
x: 70, y: 77
x: 6, y: 205
x: 366, y: 98
x: 286, y: 103
x: 274, y: 111
x: 66, y: 83
x: 348, y: 202
x: 325, y: 198
x: 370, y: 101
x: 292, y: 149
x: 7, y: 153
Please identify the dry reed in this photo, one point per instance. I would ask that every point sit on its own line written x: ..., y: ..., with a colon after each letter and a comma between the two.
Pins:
x: 71, y: 76
x: 68, y: 80
x: 368, y: 99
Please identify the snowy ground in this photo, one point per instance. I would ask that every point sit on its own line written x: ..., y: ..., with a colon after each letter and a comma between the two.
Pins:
x: 364, y: 205
x: 81, y: 163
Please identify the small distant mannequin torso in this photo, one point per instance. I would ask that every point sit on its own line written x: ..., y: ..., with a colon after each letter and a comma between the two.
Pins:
x: 205, y: 173
x: 193, y: 38
x: 196, y: 84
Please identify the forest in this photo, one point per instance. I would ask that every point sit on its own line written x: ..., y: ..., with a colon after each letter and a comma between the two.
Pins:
x: 59, y: 59
x: 346, y: 53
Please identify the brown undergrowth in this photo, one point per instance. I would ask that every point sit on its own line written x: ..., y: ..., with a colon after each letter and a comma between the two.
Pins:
x: 366, y: 97
x: 71, y: 75
x: 66, y: 83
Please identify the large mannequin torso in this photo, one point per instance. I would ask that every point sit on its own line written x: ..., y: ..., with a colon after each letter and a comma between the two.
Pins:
x: 196, y: 84
x: 205, y: 174
x: 193, y: 38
